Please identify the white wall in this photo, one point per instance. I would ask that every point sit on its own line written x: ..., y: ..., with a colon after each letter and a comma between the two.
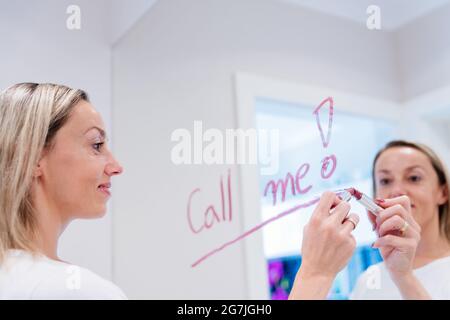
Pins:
x: 176, y: 66
x: 423, y: 57
x: 124, y: 14
x: 36, y: 46
x: 423, y: 54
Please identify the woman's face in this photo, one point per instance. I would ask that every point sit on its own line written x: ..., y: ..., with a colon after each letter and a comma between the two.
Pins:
x: 408, y: 171
x: 72, y: 172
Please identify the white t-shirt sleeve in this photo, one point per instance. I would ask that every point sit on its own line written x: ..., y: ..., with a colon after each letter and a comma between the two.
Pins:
x: 76, y: 283
x: 375, y: 283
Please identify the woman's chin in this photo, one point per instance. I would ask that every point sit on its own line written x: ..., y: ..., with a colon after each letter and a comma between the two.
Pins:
x: 95, y: 214
x: 101, y: 213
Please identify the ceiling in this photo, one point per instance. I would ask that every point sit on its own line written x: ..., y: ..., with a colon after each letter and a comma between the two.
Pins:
x: 394, y: 13
x: 124, y: 14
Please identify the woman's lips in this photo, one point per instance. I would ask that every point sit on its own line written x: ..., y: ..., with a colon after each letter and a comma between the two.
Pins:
x: 105, y: 190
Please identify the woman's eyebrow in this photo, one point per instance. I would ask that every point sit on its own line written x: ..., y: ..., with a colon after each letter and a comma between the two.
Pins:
x: 414, y: 167
x: 102, y: 132
x: 406, y: 169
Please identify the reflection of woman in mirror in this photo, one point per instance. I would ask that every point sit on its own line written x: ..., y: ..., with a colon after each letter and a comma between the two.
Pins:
x: 416, y: 262
x: 413, y: 230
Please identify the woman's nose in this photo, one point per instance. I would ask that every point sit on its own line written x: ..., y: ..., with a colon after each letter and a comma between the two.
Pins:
x: 113, y: 168
x: 397, y: 190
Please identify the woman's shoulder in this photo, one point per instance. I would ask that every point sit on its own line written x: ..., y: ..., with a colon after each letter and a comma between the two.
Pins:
x: 29, y: 277
x: 375, y: 282
x: 441, y: 263
x: 435, y: 276
x: 74, y: 282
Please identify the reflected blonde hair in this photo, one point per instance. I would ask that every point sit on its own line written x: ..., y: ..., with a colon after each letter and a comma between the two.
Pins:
x: 30, y: 116
x: 439, y: 168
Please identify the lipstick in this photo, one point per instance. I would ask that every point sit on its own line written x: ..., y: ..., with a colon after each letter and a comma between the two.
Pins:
x: 362, y: 198
x: 365, y: 200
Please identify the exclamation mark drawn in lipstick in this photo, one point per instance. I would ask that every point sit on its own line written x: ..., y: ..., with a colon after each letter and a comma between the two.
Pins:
x: 331, y: 159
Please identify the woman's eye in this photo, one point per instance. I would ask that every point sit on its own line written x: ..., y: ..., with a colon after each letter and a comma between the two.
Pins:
x: 97, y: 146
x: 384, y: 181
x: 415, y: 178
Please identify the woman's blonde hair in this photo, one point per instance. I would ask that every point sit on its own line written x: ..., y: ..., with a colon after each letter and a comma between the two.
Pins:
x: 439, y: 168
x: 30, y: 116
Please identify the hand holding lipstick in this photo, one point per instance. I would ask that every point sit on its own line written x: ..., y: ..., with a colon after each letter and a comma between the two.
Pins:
x: 398, y: 238
x: 398, y: 233
x: 327, y: 247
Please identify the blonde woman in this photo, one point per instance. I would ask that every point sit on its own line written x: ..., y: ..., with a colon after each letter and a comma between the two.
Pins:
x: 413, y: 230
x: 54, y: 167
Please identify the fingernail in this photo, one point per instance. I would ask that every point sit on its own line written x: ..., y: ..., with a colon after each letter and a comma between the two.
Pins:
x: 378, y: 200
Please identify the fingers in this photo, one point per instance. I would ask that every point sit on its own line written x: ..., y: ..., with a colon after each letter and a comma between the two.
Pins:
x: 397, y: 223
x: 372, y: 219
x: 327, y: 200
x: 340, y: 212
x: 391, y: 211
x: 350, y: 222
x: 396, y: 206
x: 395, y: 242
x: 336, y: 212
x: 404, y: 201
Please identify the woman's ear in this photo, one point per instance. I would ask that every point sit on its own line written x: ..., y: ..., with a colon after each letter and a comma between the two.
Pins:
x: 38, y: 170
x: 443, y: 194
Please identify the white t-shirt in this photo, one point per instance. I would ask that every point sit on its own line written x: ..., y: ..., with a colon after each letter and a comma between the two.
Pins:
x: 23, y: 276
x: 376, y: 284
